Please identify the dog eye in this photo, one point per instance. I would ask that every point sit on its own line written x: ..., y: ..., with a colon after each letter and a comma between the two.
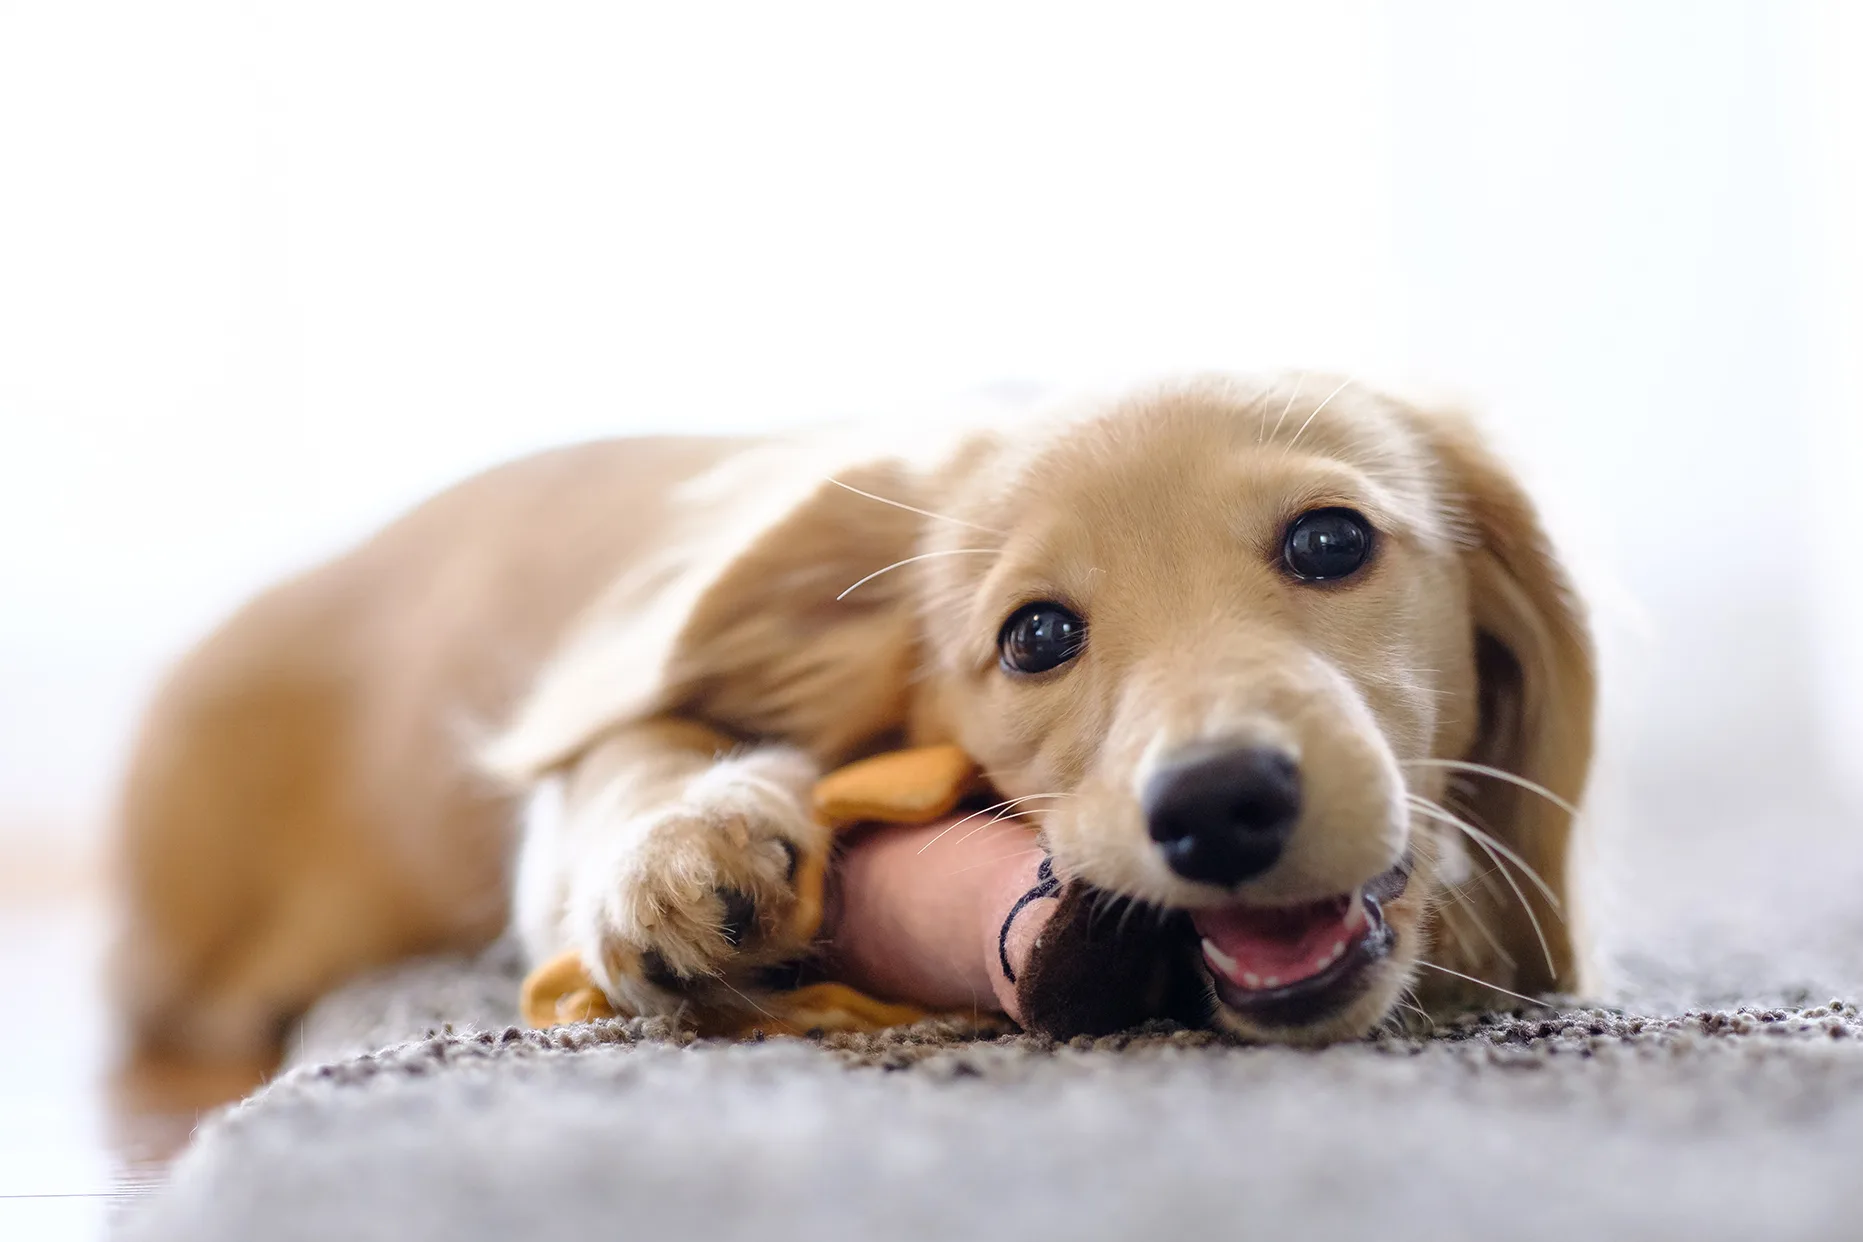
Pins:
x: 1038, y: 637
x: 1326, y: 543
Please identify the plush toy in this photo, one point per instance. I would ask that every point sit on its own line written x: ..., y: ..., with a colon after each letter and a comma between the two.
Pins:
x: 940, y: 913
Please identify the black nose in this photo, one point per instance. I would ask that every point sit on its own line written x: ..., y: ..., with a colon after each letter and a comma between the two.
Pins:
x: 1223, y: 818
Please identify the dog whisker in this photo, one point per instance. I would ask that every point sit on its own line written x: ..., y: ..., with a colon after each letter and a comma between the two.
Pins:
x: 1004, y: 826
x: 990, y: 862
x: 1406, y: 999
x: 1289, y: 447
x: 1483, y: 841
x: 1292, y: 397
x: 1406, y: 683
x: 994, y: 806
x: 1462, y: 909
x: 993, y: 778
x: 1534, y: 1001
x: 748, y: 1001
x: 1526, y: 905
x: 1125, y: 917
x: 1452, y: 906
x: 1013, y: 812
x: 1443, y: 814
x: 941, y: 517
x: 1488, y: 846
x: 923, y: 556
x: 1463, y: 765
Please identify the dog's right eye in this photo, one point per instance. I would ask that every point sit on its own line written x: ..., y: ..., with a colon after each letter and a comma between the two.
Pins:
x: 1326, y: 544
x: 1038, y: 637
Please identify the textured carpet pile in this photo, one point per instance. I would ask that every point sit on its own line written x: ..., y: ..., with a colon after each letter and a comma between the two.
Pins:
x: 1721, y: 1098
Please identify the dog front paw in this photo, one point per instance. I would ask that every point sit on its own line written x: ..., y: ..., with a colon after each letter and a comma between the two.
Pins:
x: 700, y: 894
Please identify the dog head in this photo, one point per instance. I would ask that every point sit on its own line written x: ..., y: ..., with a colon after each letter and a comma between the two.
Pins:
x: 1295, y: 659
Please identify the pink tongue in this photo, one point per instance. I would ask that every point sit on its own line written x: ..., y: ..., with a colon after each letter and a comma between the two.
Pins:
x: 1273, y: 948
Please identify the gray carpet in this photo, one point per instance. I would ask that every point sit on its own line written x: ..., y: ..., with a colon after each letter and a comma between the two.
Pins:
x: 1722, y: 1098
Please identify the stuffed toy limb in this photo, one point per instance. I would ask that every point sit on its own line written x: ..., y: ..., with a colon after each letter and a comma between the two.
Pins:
x: 929, y: 911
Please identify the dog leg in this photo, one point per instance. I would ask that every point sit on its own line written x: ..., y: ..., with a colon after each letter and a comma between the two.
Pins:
x: 668, y: 857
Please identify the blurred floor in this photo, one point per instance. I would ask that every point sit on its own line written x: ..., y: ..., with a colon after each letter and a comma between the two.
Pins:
x: 1700, y: 894
x: 78, y: 1138
x: 1697, y: 889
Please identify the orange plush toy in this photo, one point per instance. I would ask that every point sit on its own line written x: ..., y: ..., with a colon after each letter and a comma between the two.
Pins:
x: 929, y: 919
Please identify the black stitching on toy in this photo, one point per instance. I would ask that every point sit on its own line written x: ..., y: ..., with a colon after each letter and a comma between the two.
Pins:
x: 1045, y: 886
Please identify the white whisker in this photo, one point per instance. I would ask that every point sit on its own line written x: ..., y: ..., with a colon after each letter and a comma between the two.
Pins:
x: 1535, y: 1002
x: 1453, y: 910
x: 990, y: 862
x: 1406, y: 999
x: 747, y: 1000
x: 999, y: 818
x: 1463, y: 765
x: 941, y: 517
x: 1460, y: 903
x: 1125, y: 917
x: 1462, y: 908
x: 1291, y: 398
x: 1481, y: 838
x: 995, y: 806
x: 1316, y: 413
x: 923, y: 556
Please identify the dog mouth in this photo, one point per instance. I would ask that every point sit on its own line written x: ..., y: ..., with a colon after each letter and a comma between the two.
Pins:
x: 1294, y: 966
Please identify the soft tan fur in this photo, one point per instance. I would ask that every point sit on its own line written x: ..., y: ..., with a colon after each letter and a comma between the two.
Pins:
x: 637, y: 647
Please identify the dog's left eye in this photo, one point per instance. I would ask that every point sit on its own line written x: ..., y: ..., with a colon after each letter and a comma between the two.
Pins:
x: 1326, y: 543
x: 1038, y: 637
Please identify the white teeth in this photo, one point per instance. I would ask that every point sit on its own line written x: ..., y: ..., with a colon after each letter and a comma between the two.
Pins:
x: 1356, y: 920
x: 1222, y: 961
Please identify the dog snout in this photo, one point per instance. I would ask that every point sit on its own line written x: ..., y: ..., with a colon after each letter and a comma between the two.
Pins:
x: 1222, y: 818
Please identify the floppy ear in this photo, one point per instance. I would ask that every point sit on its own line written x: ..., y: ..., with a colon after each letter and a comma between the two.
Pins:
x: 1537, y: 682
x: 740, y: 621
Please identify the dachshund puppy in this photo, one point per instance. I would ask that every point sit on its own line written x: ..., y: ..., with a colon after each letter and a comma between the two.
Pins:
x: 1291, y: 658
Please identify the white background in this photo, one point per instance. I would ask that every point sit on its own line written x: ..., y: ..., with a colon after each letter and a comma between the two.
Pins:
x: 269, y: 272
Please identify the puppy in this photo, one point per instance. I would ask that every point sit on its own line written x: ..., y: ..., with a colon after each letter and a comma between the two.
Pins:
x: 1290, y: 656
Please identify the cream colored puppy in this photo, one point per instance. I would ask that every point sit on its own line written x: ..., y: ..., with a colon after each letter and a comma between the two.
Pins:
x: 1292, y: 657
